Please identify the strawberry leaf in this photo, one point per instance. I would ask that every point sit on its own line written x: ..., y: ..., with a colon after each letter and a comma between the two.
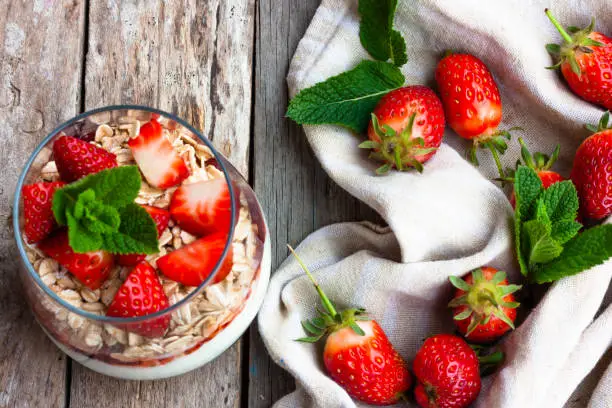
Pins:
x: 346, y: 99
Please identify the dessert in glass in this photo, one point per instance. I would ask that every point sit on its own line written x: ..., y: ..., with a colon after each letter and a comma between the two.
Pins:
x: 144, y: 253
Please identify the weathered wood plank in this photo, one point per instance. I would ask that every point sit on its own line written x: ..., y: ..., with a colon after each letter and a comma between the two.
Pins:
x: 38, y: 90
x: 295, y: 192
x: 191, y: 58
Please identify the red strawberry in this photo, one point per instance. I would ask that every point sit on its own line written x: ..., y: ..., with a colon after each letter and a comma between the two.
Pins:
x: 193, y: 263
x: 484, y: 307
x: 161, y: 218
x: 447, y: 373
x: 75, y: 158
x: 358, y: 355
x: 472, y: 103
x: 91, y: 268
x: 585, y: 59
x: 592, y: 172
x: 158, y: 161
x: 141, y: 294
x: 202, y: 208
x: 541, y: 163
x: 37, y: 210
x: 406, y: 129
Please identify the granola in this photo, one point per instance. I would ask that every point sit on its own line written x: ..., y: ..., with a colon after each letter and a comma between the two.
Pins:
x: 201, y: 317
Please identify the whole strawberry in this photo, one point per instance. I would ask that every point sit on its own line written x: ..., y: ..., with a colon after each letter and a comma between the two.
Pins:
x: 592, y: 172
x: 472, y: 104
x: 37, y: 210
x: 541, y: 163
x: 585, y: 59
x: 407, y: 127
x: 447, y: 373
x: 357, y: 355
x: 483, y: 305
x: 75, y: 158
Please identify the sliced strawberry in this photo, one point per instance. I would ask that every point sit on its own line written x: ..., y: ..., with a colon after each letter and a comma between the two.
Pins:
x: 202, y: 208
x: 193, y: 263
x: 75, y: 158
x: 161, y: 218
x: 91, y: 268
x: 158, y: 161
x: 37, y: 211
x: 130, y: 259
x: 141, y: 294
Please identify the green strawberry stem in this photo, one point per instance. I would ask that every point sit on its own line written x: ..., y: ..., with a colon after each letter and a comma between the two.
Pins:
x: 494, y: 358
x: 324, y: 299
x: 498, y: 163
x: 568, y: 38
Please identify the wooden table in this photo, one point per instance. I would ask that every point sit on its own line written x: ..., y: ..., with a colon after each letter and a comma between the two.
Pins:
x: 219, y: 64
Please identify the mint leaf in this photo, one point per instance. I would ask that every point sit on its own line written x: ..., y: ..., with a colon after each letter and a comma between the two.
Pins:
x: 539, y: 246
x: 527, y: 188
x: 115, y: 187
x: 542, y: 214
x: 346, y: 99
x: 398, y: 47
x: 80, y: 239
x: 588, y: 249
x: 137, y: 233
x: 376, y: 31
x: 563, y: 231
x: 100, y: 218
x: 561, y: 201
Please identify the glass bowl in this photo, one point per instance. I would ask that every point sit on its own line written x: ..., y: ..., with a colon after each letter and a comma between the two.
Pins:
x: 204, y: 320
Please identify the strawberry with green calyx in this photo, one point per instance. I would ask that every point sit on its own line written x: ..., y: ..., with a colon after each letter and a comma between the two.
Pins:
x: 585, y: 59
x: 472, y: 104
x: 357, y: 355
x: 539, y: 162
x: 592, y: 172
x: 407, y: 127
x: 483, y: 305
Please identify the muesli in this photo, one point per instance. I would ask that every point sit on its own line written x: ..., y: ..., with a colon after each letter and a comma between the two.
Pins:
x: 200, y: 318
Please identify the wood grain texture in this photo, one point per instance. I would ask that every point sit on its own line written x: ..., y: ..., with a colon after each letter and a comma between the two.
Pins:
x: 296, y: 194
x: 193, y: 59
x: 189, y: 57
x: 38, y: 90
x: 215, y: 385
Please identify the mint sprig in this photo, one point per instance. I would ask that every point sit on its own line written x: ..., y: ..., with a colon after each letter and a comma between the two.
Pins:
x: 548, y: 244
x: 377, y: 34
x: 346, y: 99
x: 100, y: 213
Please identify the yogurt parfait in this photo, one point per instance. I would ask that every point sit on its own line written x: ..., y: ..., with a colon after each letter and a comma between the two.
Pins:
x: 145, y: 254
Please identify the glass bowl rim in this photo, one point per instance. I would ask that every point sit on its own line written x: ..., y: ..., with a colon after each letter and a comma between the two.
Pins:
x: 103, y: 318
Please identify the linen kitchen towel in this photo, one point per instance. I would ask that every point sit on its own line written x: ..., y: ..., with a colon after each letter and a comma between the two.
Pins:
x: 450, y: 219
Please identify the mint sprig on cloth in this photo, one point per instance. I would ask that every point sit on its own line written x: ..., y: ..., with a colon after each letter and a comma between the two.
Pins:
x: 100, y: 213
x: 377, y: 34
x: 346, y: 99
x: 548, y: 243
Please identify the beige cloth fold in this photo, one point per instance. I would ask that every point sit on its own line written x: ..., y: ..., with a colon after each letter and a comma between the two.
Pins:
x: 451, y: 218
